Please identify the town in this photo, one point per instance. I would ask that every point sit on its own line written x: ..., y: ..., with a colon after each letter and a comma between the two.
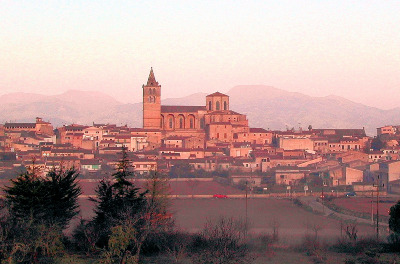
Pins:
x: 211, y: 139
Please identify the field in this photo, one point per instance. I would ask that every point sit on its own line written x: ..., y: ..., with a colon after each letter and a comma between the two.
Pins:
x: 181, y: 187
x: 363, y: 204
x: 191, y: 215
x: 294, y: 222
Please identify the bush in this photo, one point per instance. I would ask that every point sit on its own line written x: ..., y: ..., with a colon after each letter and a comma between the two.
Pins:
x: 221, y: 242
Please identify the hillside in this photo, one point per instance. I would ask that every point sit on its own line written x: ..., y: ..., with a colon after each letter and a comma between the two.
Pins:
x: 265, y: 106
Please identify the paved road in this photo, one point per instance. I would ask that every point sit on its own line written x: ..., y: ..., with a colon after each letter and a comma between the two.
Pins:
x: 318, y: 207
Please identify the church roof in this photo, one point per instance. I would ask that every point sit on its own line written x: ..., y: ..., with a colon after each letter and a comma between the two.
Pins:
x: 181, y: 108
x: 20, y: 125
x: 216, y: 94
x: 151, y: 81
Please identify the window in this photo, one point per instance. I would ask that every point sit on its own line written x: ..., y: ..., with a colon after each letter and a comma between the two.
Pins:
x: 217, y: 106
x: 209, y: 105
x: 225, y: 106
x: 180, y: 122
x: 191, y: 123
x: 170, y: 122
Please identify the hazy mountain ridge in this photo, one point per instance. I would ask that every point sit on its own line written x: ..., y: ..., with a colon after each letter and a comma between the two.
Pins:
x: 265, y: 106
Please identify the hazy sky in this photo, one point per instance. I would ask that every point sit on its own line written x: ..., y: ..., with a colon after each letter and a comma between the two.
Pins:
x: 347, y: 48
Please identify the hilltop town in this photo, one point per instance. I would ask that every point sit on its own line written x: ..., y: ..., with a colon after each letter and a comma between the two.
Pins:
x: 205, y: 141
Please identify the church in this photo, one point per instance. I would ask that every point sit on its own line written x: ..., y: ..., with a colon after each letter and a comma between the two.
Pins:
x: 197, y: 126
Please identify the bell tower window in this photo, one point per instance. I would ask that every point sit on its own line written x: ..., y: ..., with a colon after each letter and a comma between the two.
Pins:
x: 217, y: 106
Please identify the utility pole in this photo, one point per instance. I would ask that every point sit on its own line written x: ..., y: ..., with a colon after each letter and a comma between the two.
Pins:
x: 322, y: 197
x: 245, y: 233
x: 377, y: 185
x: 372, y: 206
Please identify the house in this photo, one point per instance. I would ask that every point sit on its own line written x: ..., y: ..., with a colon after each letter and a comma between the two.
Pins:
x: 290, y: 175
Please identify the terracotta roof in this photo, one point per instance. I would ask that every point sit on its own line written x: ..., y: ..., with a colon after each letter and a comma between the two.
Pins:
x: 181, y: 108
x: 24, y: 125
x: 90, y: 162
x: 123, y: 136
x: 175, y: 138
x: 217, y: 94
x: 343, y: 132
x: 151, y: 81
x: 258, y: 130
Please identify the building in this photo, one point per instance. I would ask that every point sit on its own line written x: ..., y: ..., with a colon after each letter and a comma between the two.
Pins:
x: 196, y: 126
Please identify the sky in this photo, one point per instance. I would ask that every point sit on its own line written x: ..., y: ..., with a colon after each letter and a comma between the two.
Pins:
x: 342, y: 47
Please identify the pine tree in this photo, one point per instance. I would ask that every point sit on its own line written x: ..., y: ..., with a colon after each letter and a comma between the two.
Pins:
x: 117, y: 200
x: 51, y: 200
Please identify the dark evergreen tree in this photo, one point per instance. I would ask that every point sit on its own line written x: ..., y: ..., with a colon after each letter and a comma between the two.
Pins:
x: 394, y: 220
x: 377, y: 144
x: 51, y: 200
x: 394, y: 225
x: 35, y: 211
x: 117, y: 199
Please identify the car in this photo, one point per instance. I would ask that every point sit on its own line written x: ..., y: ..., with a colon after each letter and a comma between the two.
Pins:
x: 351, y: 194
x: 220, y: 196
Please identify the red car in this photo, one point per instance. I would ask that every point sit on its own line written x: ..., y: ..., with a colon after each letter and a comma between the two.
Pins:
x: 220, y: 196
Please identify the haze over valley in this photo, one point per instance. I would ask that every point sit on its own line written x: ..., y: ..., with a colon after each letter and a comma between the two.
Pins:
x: 265, y: 106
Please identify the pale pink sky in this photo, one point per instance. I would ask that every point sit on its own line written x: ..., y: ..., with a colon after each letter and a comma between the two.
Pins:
x: 345, y: 48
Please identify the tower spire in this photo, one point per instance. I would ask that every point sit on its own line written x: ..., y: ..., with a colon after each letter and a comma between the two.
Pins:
x: 152, y: 80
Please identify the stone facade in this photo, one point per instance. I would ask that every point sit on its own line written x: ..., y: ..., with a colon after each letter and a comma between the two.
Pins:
x: 209, y: 124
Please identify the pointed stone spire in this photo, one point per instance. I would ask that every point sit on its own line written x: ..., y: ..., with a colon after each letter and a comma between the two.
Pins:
x: 152, y: 80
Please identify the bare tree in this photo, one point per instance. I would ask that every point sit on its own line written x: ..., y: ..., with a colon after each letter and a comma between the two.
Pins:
x: 193, y: 183
x: 177, y: 246
x: 155, y: 217
x: 275, y: 224
x: 350, y: 230
x: 222, y: 241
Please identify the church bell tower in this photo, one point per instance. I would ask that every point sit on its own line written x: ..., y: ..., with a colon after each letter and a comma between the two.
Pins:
x: 152, y: 103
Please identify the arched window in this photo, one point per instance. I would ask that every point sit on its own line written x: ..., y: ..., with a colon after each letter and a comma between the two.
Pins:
x: 225, y: 106
x: 217, y: 106
x: 180, y: 122
x: 149, y: 100
x: 209, y: 105
x: 191, y: 122
x: 171, y: 122
x: 154, y: 90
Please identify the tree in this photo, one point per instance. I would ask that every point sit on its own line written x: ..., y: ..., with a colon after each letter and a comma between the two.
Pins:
x: 193, y: 183
x: 394, y: 224
x: 125, y: 216
x: 183, y: 170
x: 36, y: 211
x: 377, y: 143
x: 116, y: 200
x: 52, y: 200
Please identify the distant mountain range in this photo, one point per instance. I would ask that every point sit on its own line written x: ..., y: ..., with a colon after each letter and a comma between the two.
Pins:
x: 265, y: 106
